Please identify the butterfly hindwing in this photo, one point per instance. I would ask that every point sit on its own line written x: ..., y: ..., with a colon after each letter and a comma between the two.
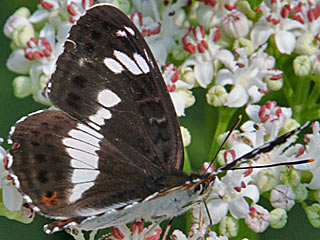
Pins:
x: 63, y: 166
x: 108, y: 79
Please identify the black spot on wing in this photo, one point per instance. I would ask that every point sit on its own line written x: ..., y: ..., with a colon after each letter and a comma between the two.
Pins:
x: 79, y: 81
x: 95, y: 35
x: 42, y: 176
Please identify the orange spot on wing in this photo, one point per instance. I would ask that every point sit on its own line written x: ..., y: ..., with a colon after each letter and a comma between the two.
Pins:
x: 50, y: 200
x: 62, y: 223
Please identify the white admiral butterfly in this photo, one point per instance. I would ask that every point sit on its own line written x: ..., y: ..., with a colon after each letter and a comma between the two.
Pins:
x: 113, y: 152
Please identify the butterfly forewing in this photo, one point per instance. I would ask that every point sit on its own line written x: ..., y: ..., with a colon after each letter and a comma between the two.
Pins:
x: 117, y: 131
x: 108, y: 79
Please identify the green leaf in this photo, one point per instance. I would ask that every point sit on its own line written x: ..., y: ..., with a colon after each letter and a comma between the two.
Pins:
x: 254, y: 4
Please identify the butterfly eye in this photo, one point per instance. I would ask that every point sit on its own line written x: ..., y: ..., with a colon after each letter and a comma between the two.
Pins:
x: 198, y: 189
x: 202, y: 188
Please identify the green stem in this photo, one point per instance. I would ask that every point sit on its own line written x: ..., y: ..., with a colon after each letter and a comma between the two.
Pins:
x: 313, y: 97
x: 288, y: 91
x: 315, y: 78
x: 224, y: 116
x: 304, y: 205
x: 187, y: 164
x: 299, y: 92
x: 302, y: 89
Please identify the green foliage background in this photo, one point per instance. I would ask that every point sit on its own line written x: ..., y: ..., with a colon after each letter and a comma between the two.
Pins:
x: 12, y: 108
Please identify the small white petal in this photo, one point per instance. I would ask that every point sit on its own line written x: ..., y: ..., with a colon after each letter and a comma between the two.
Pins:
x: 18, y: 63
x: 159, y: 52
x: 252, y: 192
x: 177, y: 234
x: 12, y: 199
x: 255, y: 94
x: 253, y: 112
x: 178, y: 103
x: 39, y: 16
x: 260, y: 34
x: 204, y: 73
x: 239, y: 208
x: 224, y: 77
x: 218, y: 210
x: 285, y: 41
x: 237, y: 97
x: 49, y: 33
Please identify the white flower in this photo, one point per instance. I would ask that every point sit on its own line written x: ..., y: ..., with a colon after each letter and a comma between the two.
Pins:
x: 247, y: 78
x: 228, y: 195
x: 137, y: 231
x: 267, y: 119
x: 15, y: 22
x: 11, y: 198
x: 77, y: 8
x: 46, y: 7
x: 160, y: 39
x: 196, y: 234
x: 312, y: 152
x: 18, y: 63
x: 276, y: 22
x: 205, y: 53
x: 211, y: 13
x: 236, y: 24
x: 43, y: 53
x: 178, y: 89
x: 178, y: 235
x: 258, y: 218
x: 283, y: 197
x: 44, y: 50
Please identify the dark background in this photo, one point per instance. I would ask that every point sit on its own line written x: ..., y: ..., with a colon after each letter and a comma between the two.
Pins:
x: 12, y: 108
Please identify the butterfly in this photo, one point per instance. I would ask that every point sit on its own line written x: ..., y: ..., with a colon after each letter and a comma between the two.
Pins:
x: 113, y: 152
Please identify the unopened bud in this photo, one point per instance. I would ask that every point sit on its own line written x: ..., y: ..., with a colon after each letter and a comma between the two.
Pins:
x: 302, y: 65
x: 22, y: 86
x: 306, y: 44
x: 229, y: 226
x: 278, y: 218
x: 313, y: 214
x: 266, y: 180
x: 217, y: 96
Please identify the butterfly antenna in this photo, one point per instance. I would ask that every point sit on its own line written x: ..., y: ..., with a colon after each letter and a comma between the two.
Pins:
x: 278, y: 164
x: 235, y: 125
x: 267, y: 147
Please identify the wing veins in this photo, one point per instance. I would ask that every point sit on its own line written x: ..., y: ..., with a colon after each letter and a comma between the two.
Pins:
x: 141, y: 126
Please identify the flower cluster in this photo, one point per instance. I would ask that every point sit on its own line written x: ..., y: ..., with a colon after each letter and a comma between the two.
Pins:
x: 283, y: 185
x: 238, y: 56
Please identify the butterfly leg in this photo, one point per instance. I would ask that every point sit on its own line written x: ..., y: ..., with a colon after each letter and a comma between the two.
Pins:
x: 59, y: 225
x: 165, y: 234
